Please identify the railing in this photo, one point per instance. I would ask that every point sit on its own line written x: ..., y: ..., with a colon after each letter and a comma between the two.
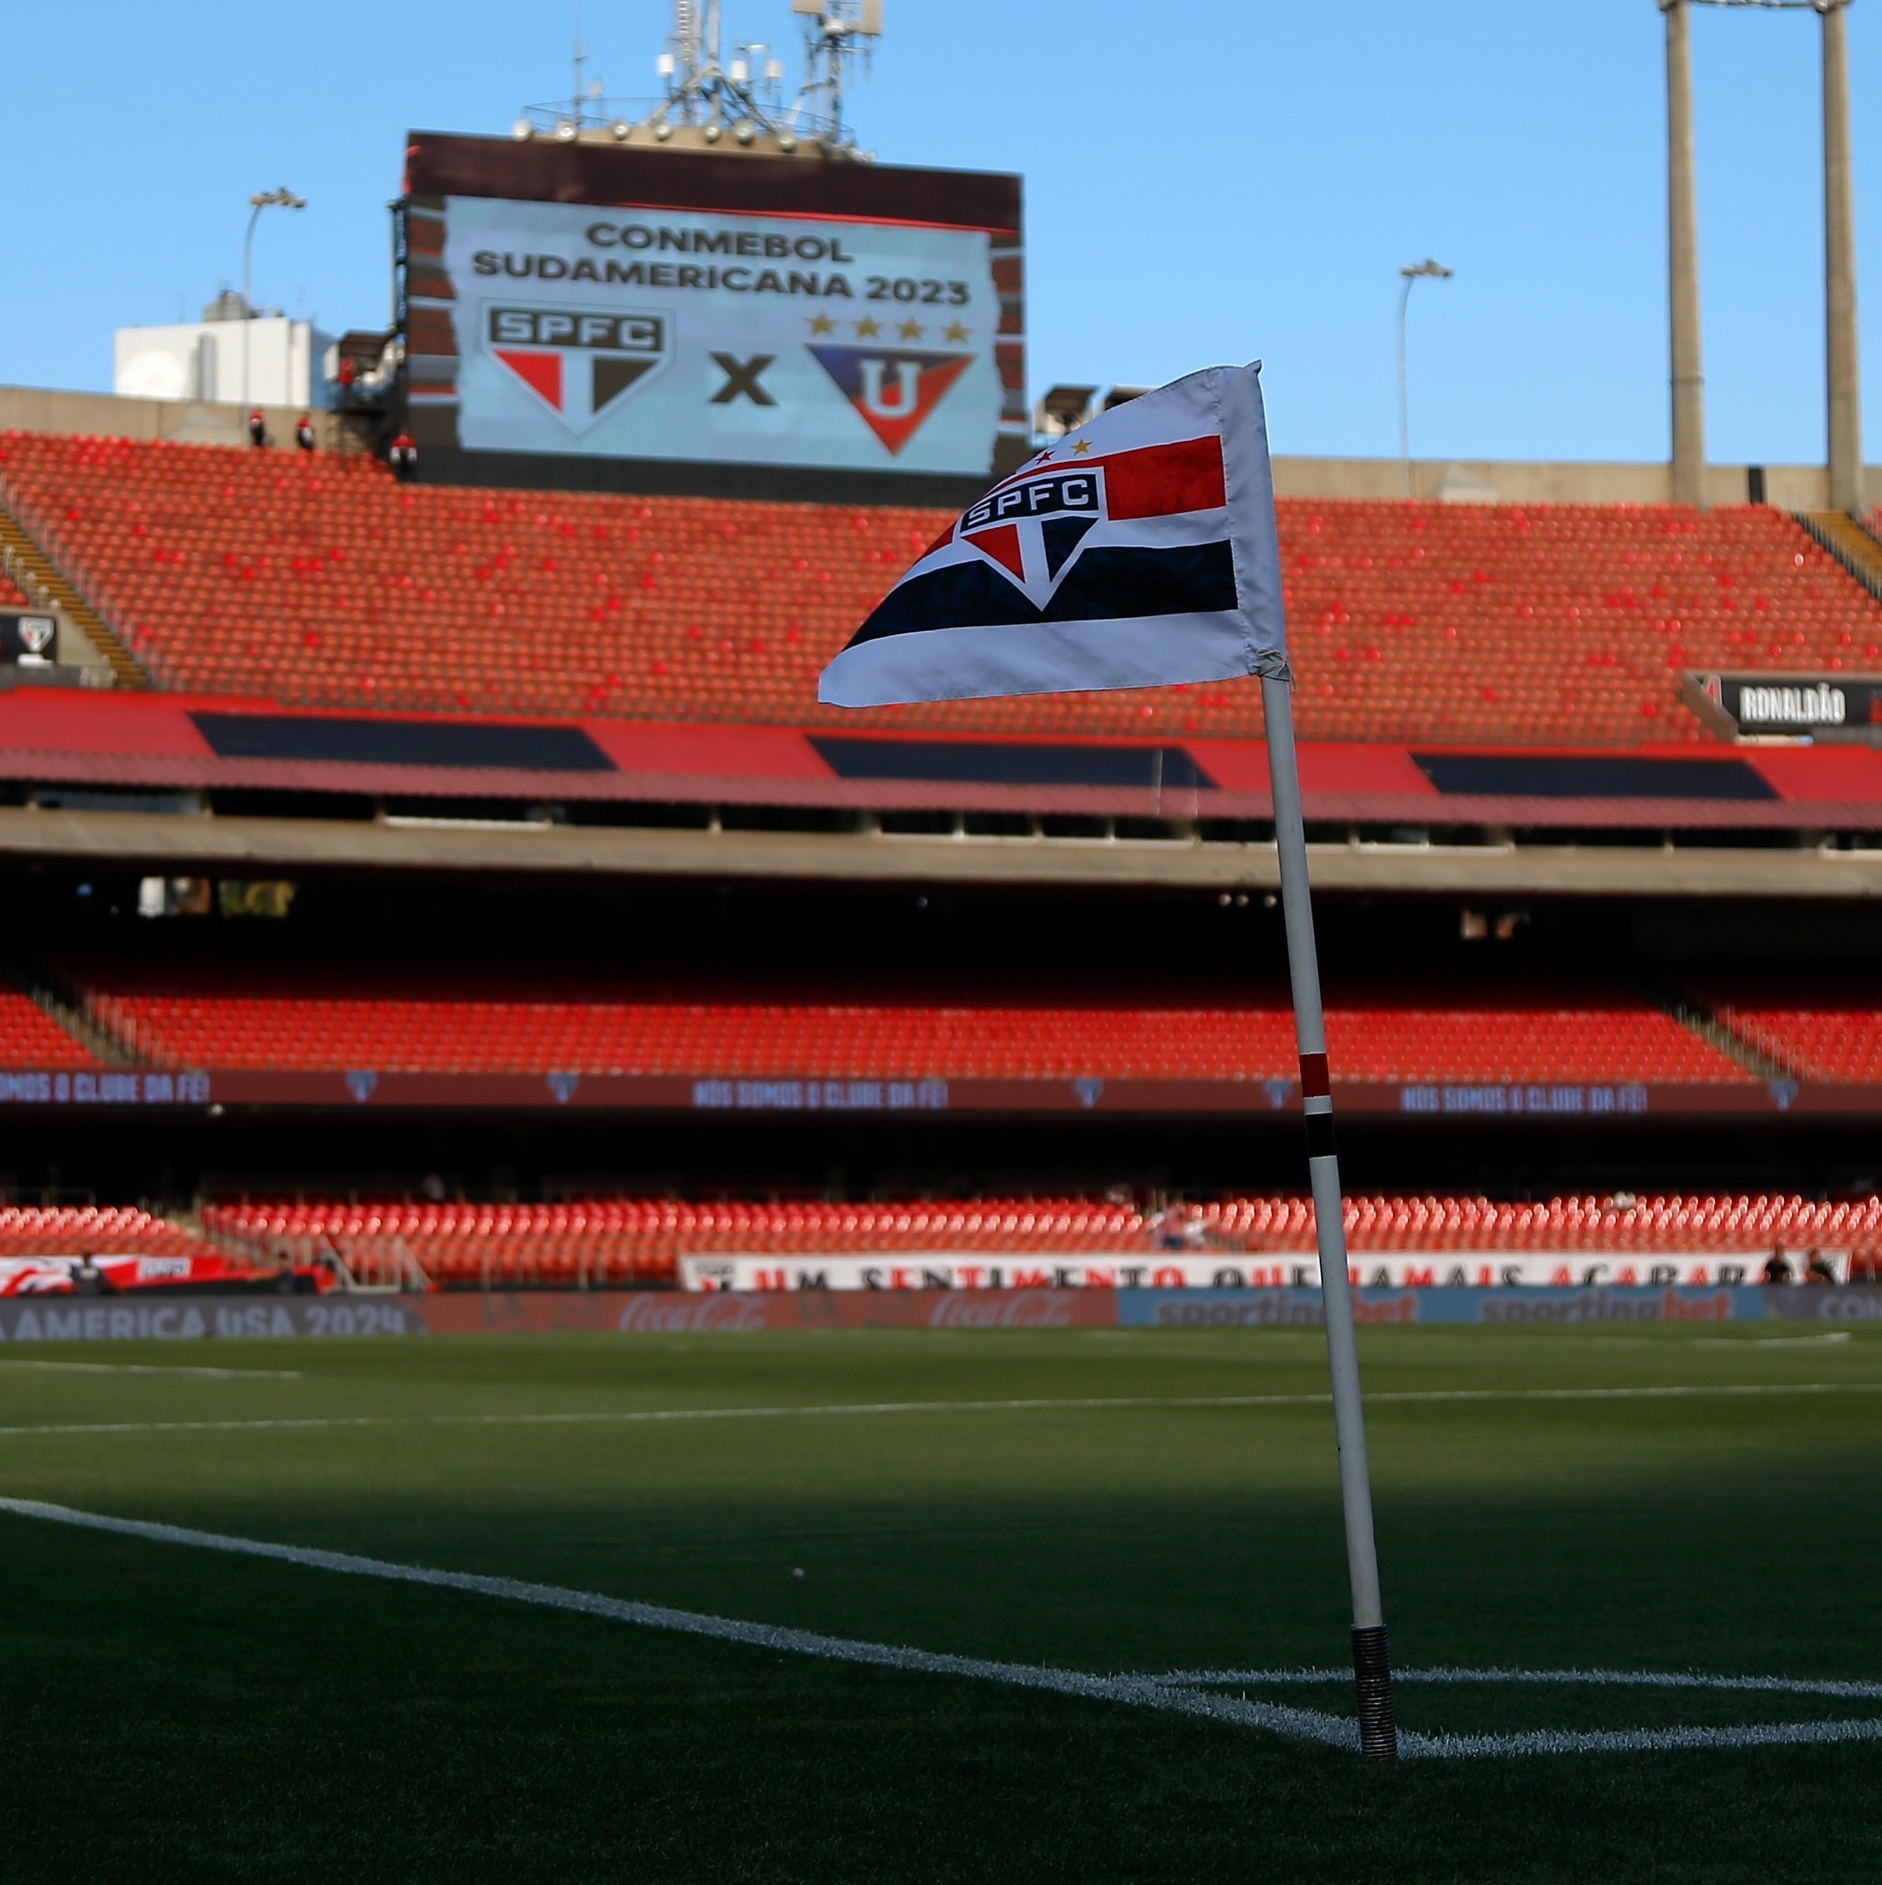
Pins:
x: 385, y: 1267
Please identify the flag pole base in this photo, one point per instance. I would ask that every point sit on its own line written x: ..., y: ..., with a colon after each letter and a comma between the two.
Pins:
x: 1372, y: 1676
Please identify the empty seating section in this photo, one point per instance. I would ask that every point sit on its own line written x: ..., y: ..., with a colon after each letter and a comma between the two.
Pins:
x: 29, y: 1037
x: 1573, y: 1034
x: 637, y: 1240
x: 110, y: 1230
x: 11, y: 596
x: 1818, y: 1027
x: 321, y: 580
x: 203, y: 1017
x: 1619, y: 1225
x: 1557, y: 624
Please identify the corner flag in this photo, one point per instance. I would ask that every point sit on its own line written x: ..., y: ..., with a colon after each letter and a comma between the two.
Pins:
x: 1139, y: 551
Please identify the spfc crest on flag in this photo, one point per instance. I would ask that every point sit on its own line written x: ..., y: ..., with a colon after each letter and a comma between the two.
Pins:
x: 580, y: 362
x: 893, y: 389
x: 1137, y: 552
x: 1032, y: 530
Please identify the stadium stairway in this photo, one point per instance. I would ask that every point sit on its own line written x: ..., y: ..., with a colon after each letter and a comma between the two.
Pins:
x: 1743, y: 1049
x: 1854, y: 545
x: 41, y: 581
x: 99, y: 1043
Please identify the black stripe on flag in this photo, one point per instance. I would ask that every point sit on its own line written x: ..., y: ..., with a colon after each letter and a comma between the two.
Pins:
x: 1104, y: 586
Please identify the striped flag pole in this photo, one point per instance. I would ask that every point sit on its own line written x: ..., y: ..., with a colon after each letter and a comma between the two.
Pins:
x: 1372, y: 1666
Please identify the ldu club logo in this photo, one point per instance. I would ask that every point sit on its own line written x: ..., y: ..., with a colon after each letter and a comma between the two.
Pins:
x: 1032, y: 529
x: 893, y: 389
x: 580, y: 362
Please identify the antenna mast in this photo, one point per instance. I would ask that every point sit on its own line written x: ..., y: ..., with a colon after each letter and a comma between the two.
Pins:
x: 709, y: 97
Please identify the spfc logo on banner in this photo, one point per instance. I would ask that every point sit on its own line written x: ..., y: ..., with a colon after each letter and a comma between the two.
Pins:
x: 1033, y: 528
x: 894, y: 390
x: 580, y: 362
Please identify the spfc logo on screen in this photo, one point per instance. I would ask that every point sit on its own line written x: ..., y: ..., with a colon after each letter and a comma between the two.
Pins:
x: 894, y: 390
x: 1032, y: 529
x: 580, y: 362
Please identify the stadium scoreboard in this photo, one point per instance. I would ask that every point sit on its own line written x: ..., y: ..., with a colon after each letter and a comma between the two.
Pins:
x: 583, y: 315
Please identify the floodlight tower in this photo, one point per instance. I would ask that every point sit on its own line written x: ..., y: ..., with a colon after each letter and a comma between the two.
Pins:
x: 1843, y: 372
x: 1839, y: 269
x: 1682, y: 264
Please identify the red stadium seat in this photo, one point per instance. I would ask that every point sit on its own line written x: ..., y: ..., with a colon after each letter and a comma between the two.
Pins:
x: 211, y: 1016
x: 320, y: 580
x: 29, y: 1037
x: 108, y: 1230
x: 614, y: 1241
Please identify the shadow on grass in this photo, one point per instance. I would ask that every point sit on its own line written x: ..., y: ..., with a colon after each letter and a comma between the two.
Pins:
x: 178, y: 1714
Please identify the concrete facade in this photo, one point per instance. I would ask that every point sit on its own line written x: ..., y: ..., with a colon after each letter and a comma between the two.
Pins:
x: 175, y: 842
x: 1477, y: 480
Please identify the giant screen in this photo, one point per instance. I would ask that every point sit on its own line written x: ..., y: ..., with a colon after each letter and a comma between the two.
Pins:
x: 683, y: 320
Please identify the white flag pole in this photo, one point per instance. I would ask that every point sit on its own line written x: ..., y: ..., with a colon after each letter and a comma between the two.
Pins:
x: 1372, y: 1667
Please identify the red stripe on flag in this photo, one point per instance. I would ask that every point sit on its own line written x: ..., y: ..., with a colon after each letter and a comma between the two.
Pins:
x: 1161, y: 480
x: 1153, y: 481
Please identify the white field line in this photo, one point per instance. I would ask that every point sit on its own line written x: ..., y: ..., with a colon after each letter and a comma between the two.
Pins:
x: 637, y: 1416
x: 1834, y: 1337
x: 1463, y: 1747
x: 1137, y: 1691
x: 1167, y: 1695
x: 138, y: 1367
x: 1532, y: 1678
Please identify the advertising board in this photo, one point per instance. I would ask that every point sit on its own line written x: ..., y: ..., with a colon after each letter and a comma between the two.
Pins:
x: 1233, y: 1270
x: 727, y: 325
x: 1834, y: 706
x: 158, y: 1315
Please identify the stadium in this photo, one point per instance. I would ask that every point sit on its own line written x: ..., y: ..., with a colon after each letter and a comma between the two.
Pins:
x: 608, y: 1268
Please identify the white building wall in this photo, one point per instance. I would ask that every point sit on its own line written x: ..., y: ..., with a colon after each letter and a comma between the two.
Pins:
x: 204, y: 360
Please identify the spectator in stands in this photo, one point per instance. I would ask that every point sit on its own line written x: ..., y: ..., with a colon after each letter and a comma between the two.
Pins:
x: 1818, y: 1270
x: 257, y: 428
x: 304, y: 432
x: 88, y: 1279
x: 403, y: 456
x: 349, y: 372
x: 1777, y: 1268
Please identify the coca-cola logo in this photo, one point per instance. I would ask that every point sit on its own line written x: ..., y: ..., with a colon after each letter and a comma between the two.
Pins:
x: 1022, y: 1309
x: 688, y: 1314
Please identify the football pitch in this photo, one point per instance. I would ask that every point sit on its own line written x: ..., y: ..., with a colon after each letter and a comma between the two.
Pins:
x: 939, y: 1606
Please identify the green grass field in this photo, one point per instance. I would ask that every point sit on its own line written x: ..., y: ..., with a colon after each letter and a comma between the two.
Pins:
x: 179, y: 1713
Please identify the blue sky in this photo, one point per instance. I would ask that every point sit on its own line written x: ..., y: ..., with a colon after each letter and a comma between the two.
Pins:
x: 1212, y: 181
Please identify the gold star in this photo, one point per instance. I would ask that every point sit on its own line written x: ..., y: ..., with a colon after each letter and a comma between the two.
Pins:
x: 1081, y: 448
x: 956, y: 332
x: 822, y: 324
x: 911, y: 330
x: 866, y: 328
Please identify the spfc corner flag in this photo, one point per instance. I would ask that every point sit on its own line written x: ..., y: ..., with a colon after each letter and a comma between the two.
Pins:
x: 1138, y: 552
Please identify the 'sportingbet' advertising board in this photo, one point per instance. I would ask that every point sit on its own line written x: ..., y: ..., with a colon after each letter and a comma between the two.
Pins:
x: 730, y: 325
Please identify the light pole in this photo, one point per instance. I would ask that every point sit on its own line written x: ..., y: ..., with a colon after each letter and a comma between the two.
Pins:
x: 1418, y: 271
x: 268, y: 199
